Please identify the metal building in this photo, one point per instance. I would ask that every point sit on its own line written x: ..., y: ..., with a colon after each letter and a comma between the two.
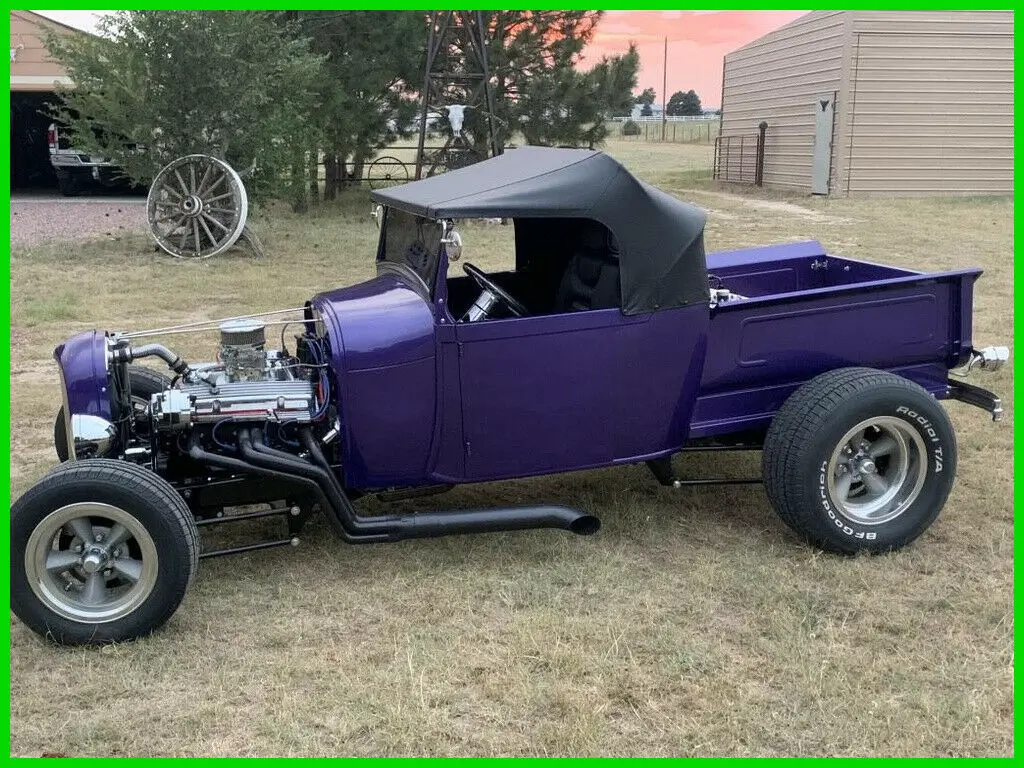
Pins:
x: 875, y: 102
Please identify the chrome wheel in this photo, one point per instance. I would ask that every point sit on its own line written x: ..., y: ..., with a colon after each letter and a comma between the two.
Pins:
x: 877, y: 470
x: 91, y: 563
x: 197, y: 207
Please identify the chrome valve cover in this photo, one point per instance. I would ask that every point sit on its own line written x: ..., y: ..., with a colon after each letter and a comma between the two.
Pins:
x: 290, y: 400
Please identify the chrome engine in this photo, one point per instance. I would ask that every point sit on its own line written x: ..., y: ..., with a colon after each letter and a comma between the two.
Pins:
x: 249, y: 383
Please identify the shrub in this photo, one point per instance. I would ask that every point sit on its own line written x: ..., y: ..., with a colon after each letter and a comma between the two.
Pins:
x: 630, y: 128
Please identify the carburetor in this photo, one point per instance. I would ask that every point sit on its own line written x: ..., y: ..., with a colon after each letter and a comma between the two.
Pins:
x: 242, y: 349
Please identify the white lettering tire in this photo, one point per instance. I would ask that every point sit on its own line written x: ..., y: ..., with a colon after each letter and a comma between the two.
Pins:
x: 859, y: 460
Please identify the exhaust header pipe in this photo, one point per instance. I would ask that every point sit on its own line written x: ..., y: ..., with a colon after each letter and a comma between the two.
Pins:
x: 319, y: 477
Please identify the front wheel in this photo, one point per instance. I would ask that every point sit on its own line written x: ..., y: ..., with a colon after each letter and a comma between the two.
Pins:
x: 101, y: 551
x: 859, y: 460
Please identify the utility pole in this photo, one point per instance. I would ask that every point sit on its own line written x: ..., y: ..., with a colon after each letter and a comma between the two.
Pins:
x: 664, y: 93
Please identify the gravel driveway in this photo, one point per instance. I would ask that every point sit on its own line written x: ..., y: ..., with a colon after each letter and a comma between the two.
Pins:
x: 37, y: 220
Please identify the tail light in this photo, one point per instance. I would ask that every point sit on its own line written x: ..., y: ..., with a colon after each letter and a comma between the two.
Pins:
x: 51, y: 137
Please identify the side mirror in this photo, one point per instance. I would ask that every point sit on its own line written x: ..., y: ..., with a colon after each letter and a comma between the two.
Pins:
x: 453, y: 246
x: 451, y: 240
x: 377, y: 213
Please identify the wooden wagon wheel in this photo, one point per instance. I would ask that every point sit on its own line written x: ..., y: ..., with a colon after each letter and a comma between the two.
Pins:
x: 386, y: 171
x: 197, y: 207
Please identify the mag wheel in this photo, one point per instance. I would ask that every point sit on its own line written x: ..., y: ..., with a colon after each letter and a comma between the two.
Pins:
x: 859, y: 460
x: 101, y: 551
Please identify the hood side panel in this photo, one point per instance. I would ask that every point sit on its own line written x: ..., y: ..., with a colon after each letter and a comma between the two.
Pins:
x: 381, y: 335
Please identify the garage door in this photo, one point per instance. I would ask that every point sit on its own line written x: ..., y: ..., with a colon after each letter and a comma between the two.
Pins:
x: 30, y: 154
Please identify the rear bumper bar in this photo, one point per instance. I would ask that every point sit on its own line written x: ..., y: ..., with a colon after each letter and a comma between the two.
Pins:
x: 976, y: 396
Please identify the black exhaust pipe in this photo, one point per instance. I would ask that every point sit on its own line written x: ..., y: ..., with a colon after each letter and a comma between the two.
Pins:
x: 430, y: 524
x: 244, y: 467
x: 359, y: 529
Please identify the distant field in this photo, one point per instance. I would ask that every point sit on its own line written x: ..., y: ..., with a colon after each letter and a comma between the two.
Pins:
x: 693, y: 624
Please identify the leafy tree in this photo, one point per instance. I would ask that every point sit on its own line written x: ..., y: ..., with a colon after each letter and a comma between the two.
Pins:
x: 684, y: 103
x: 372, y: 60
x: 570, y: 108
x: 535, y: 83
x: 156, y: 85
x: 646, y: 98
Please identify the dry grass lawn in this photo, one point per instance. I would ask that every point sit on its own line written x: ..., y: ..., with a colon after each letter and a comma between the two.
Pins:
x: 693, y: 624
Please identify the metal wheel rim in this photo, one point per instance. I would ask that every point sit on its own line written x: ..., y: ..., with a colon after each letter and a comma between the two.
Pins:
x: 197, y: 207
x: 389, y: 178
x: 877, y: 470
x: 60, y: 577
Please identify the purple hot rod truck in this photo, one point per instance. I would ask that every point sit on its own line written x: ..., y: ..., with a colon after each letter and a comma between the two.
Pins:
x: 614, y: 340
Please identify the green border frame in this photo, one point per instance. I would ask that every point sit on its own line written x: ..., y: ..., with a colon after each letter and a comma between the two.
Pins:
x: 746, y: 5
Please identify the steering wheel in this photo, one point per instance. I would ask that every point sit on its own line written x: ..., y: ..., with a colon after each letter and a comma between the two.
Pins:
x: 488, y: 285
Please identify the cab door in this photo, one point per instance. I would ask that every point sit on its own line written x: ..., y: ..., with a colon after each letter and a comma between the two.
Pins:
x: 582, y: 389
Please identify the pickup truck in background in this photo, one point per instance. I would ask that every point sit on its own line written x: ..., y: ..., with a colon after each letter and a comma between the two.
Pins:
x: 76, y: 170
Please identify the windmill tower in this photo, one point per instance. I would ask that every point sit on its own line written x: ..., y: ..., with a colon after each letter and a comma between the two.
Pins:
x: 457, y: 79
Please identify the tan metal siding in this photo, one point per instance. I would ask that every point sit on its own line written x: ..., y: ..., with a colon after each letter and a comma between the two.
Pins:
x: 778, y: 78
x: 33, y: 69
x: 932, y: 104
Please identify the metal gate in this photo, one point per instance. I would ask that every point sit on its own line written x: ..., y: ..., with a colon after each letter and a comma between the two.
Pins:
x: 740, y: 158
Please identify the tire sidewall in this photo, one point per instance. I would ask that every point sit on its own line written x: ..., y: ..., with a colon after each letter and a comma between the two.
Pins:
x: 173, y: 564
x: 920, y: 412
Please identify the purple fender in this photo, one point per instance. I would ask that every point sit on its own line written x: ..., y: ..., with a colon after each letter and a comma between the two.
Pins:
x: 82, y: 362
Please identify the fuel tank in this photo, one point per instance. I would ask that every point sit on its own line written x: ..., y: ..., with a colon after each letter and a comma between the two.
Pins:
x: 382, y: 342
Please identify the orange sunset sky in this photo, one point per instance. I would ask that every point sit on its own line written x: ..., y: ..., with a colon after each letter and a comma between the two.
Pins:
x: 697, y: 40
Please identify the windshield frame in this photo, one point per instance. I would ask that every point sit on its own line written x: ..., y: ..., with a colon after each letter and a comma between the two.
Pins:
x: 427, y: 236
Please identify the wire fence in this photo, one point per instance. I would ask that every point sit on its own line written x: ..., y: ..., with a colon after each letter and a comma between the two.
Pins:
x: 674, y: 130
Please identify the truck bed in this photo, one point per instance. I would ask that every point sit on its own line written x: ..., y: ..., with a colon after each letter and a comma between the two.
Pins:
x: 804, y: 312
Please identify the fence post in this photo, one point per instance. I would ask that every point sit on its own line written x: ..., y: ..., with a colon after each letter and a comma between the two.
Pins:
x: 759, y: 168
x: 714, y: 160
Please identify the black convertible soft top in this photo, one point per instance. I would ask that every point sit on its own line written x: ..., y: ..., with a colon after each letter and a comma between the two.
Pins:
x: 660, y: 238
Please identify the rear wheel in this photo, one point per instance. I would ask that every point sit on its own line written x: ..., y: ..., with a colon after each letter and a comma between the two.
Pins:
x: 144, y: 383
x: 859, y: 460
x: 101, y: 551
x: 68, y: 184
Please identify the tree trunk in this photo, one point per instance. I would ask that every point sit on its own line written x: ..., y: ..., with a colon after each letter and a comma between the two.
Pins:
x: 314, y: 174
x: 330, y: 176
x: 297, y: 186
x: 358, y: 161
